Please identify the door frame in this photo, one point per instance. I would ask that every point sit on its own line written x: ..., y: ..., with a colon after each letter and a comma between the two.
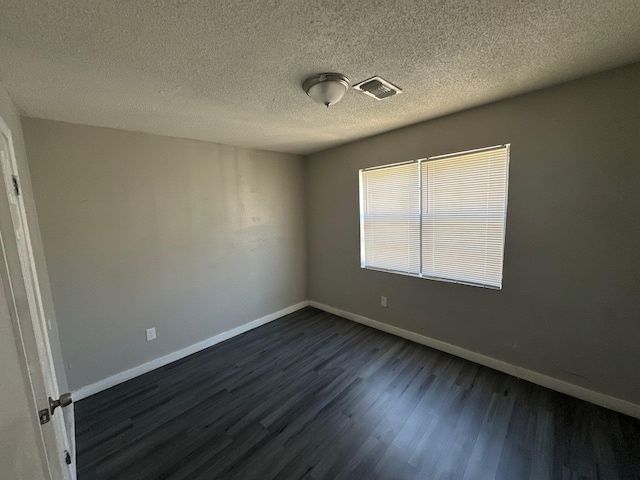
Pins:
x: 24, y: 299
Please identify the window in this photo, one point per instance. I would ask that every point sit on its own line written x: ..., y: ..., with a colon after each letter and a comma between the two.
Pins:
x: 441, y: 218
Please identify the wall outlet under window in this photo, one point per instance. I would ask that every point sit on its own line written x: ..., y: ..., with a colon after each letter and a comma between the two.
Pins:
x: 151, y: 334
x: 383, y: 302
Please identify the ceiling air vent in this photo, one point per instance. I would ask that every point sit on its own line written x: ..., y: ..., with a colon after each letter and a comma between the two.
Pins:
x: 377, y: 87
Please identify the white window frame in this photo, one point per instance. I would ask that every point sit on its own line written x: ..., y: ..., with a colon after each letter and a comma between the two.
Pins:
x: 421, y: 161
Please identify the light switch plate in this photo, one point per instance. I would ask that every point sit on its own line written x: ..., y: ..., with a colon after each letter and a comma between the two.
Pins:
x: 151, y: 334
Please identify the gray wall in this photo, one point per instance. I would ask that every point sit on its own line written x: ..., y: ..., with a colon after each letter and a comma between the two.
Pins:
x: 141, y: 231
x: 570, y: 304
x: 19, y: 454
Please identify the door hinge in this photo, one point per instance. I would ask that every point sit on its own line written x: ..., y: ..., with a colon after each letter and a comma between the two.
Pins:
x: 67, y: 458
x: 44, y: 415
x: 16, y: 186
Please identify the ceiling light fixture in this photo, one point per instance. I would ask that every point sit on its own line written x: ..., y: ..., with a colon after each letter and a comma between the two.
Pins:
x: 326, y: 88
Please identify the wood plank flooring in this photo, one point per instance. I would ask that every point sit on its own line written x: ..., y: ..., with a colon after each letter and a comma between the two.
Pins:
x: 314, y: 396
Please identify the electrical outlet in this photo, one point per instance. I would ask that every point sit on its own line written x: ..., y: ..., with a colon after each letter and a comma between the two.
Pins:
x: 383, y: 302
x: 151, y: 334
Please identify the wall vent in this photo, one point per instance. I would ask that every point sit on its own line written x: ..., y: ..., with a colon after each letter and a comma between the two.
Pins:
x: 378, y: 88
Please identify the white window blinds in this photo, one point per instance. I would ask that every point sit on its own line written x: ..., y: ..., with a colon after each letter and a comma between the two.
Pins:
x: 440, y: 218
x: 390, y: 218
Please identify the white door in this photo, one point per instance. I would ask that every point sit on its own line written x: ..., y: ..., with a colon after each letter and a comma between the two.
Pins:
x: 25, y: 304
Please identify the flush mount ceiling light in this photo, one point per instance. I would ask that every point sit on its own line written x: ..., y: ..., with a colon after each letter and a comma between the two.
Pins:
x: 326, y: 88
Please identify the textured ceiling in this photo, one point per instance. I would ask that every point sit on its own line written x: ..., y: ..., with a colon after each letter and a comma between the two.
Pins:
x: 230, y: 71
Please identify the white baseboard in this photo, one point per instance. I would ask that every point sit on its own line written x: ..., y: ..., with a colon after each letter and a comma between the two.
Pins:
x: 561, y: 386
x: 113, y: 380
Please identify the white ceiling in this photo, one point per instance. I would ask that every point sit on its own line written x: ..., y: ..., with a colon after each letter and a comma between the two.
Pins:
x: 230, y: 71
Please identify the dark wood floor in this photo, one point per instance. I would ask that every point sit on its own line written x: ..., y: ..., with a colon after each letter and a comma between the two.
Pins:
x: 314, y: 396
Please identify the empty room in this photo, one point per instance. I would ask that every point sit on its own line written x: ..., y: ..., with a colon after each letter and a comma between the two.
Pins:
x: 258, y: 240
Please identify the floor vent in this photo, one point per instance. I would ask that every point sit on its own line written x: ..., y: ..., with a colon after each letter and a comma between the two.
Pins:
x: 378, y: 88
